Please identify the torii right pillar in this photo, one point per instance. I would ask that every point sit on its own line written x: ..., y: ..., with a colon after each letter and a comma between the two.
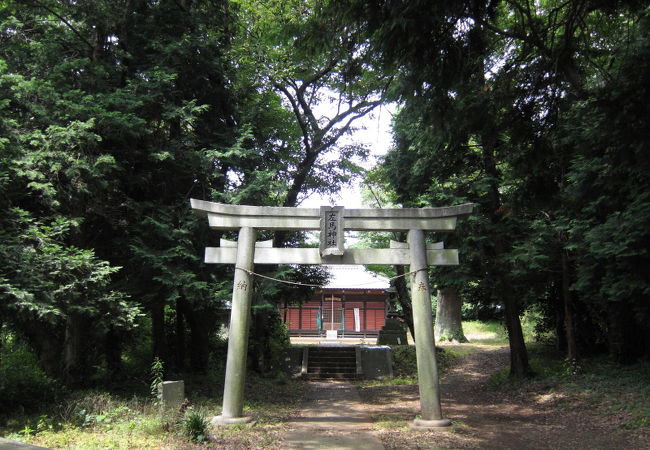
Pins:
x: 431, y: 411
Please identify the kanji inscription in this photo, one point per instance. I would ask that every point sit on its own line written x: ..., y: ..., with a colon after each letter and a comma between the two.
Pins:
x: 331, y: 230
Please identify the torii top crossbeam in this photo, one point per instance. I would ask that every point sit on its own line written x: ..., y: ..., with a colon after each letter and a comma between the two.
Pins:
x: 227, y: 217
x: 332, y: 221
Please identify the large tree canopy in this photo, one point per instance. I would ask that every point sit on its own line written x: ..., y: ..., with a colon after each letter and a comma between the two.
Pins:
x: 112, y: 117
x: 512, y: 105
x: 113, y: 114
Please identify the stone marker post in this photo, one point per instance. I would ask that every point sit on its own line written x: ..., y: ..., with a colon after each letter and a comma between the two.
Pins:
x: 171, y: 394
x: 233, y: 393
x: 425, y: 350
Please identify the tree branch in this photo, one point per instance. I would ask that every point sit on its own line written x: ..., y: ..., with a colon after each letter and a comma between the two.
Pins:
x: 67, y: 24
x: 357, y: 109
x: 318, y: 75
x: 296, y: 111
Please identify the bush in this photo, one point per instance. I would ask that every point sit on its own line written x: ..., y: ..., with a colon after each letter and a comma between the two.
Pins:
x: 23, y: 384
x: 405, y: 363
x: 269, y: 337
x: 195, y: 426
x: 89, y: 409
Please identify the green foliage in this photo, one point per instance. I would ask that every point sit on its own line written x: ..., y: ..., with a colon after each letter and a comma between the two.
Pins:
x: 63, y: 280
x: 92, y: 409
x: 195, y: 426
x: 157, y: 376
x: 405, y: 361
x: 111, y: 118
x: 48, y: 285
x: 521, y: 113
x: 268, y: 338
x: 23, y: 384
x: 97, y: 419
x: 313, y: 60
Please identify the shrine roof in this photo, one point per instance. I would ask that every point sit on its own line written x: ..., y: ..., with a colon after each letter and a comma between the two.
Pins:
x: 354, y: 277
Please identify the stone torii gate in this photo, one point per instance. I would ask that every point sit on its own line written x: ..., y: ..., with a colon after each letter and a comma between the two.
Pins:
x: 332, y: 221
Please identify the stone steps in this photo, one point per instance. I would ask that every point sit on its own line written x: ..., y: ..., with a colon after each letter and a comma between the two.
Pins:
x: 332, y: 362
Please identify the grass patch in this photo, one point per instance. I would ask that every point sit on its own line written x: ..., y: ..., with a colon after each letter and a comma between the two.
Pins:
x: 485, y: 333
x: 388, y: 423
x: 391, y: 382
x: 91, y: 420
x: 274, y: 400
x: 624, y: 390
x: 195, y: 426
x: 495, y: 333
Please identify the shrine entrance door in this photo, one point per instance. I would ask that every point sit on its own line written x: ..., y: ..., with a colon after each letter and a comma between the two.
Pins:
x: 332, y: 313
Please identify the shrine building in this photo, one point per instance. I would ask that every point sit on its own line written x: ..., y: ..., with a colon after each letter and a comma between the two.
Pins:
x: 354, y: 303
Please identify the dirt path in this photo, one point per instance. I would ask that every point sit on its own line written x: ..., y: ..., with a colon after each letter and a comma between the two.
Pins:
x: 487, y: 418
x: 332, y: 418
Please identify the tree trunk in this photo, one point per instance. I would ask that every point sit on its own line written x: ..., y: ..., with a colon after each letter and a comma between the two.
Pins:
x: 404, y: 299
x: 556, y: 302
x: 113, y: 352
x: 73, y: 351
x: 623, y: 337
x: 198, y: 322
x: 47, y: 344
x: 158, y: 328
x: 519, y: 367
x: 180, y: 335
x: 569, y: 328
x: 449, y: 326
x: 301, y: 174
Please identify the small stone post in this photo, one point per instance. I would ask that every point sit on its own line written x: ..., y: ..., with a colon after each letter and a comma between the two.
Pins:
x: 425, y: 350
x: 233, y: 394
x: 171, y: 394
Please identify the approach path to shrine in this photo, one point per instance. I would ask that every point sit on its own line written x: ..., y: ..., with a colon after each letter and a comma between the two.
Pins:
x: 346, y: 416
x: 332, y: 418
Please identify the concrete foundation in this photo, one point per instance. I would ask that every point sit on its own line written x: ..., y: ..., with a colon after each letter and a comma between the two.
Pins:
x: 376, y: 362
x: 221, y: 421
x: 421, y: 424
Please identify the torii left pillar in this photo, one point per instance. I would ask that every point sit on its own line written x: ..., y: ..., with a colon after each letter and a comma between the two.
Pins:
x: 233, y: 392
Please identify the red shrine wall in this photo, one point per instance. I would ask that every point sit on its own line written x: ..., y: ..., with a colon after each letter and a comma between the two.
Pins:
x: 334, y: 309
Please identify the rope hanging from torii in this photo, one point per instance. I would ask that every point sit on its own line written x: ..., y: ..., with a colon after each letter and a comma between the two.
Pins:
x: 332, y: 221
x: 298, y: 283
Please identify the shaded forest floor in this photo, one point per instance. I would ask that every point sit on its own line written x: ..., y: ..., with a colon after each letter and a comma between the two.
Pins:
x: 595, y: 406
x: 563, y: 408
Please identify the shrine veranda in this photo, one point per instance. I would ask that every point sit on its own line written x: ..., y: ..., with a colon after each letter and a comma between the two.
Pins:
x: 332, y: 222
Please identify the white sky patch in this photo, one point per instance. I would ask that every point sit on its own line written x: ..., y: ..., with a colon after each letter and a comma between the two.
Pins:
x: 375, y: 132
